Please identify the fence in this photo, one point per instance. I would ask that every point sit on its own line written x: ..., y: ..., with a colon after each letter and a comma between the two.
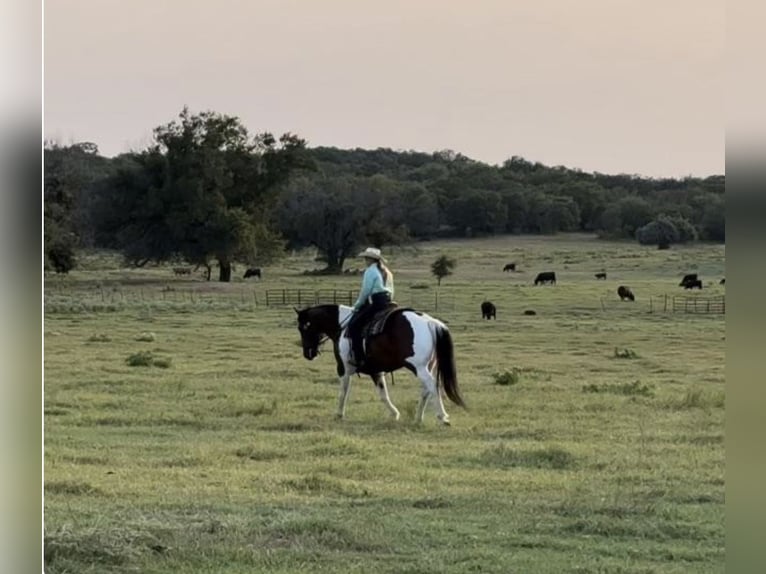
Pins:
x: 303, y: 297
x: 699, y: 304
x: 683, y: 304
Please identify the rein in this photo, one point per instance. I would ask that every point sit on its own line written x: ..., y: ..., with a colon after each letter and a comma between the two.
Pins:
x: 341, y: 326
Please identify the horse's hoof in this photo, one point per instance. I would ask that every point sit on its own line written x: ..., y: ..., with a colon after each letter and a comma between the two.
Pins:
x: 445, y: 422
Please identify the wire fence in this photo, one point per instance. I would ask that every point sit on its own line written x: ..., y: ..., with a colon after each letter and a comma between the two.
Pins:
x: 116, y: 297
x: 303, y: 297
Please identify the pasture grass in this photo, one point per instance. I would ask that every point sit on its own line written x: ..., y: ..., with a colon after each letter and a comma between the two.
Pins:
x: 231, y: 460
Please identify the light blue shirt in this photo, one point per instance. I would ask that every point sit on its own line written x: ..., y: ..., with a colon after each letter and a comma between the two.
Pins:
x: 372, y: 282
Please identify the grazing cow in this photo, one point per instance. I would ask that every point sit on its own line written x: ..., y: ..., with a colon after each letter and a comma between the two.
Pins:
x: 488, y: 310
x: 625, y: 293
x: 509, y: 267
x: 601, y: 275
x: 545, y: 277
x: 692, y: 284
x: 688, y: 278
x: 722, y: 281
x: 253, y: 272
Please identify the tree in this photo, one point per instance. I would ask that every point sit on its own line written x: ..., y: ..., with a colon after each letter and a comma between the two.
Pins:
x: 69, y: 173
x: 335, y: 215
x: 442, y: 267
x: 660, y: 232
x: 713, y: 224
x: 202, y: 191
x: 477, y: 211
x: 686, y: 231
x: 624, y: 217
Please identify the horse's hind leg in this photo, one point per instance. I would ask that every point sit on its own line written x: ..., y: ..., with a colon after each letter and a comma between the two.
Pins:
x: 345, y: 386
x: 424, y: 394
x: 430, y: 390
x: 380, y: 383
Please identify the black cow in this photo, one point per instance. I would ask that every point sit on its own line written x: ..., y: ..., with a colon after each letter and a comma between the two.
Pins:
x: 625, y: 293
x: 601, y: 275
x: 253, y: 272
x: 692, y: 284
x: 688, y: 278
x: 509, y: 267
x: 488, y: 310
x: 722, y: 281
x: 545, y: 277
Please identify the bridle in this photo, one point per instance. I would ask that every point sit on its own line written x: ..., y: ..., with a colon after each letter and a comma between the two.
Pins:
x: 324, y: 338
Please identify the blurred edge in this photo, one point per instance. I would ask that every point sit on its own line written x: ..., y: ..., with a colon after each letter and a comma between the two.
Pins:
x: 21, y: 446
x: 746, y: 274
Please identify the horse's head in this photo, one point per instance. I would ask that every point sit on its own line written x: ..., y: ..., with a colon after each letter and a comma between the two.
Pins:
x: 311, y: 332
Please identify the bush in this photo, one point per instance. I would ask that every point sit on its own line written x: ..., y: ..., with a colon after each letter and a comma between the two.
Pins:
x: 507, y: 378
x: 61, y: 256
x: 147, y: 359
x: 625, y: 354
x: 686, y: 231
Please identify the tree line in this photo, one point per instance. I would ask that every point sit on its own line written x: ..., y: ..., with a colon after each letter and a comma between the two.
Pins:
x: 208, y: 192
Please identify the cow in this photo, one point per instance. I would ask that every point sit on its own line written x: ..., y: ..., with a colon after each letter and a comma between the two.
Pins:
x: 687, y: 278
x: 722, y: 281
x: 182, y: 270
x: 545, y: 277
x: 488, y: 311
x: 253, y: 272
x: 509, y: 267
x: 692, y: 284
x: 601, y: 275
x: 625, y: 293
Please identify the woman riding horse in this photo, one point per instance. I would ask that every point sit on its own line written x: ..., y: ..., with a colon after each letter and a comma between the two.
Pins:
x: 375, y: 295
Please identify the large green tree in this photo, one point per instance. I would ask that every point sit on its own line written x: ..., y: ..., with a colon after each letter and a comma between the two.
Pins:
x: 69, y: 174
x: 202, y: 191
x: 337, y: 215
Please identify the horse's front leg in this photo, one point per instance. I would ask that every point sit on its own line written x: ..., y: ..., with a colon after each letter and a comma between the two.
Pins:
x: 380, y: 383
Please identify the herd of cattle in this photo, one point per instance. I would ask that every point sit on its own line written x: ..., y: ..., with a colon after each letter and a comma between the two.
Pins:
x: 488, y: 309
x: 689, y: 281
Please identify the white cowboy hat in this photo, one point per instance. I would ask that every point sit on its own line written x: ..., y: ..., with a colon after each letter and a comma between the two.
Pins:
x: 372, y: 253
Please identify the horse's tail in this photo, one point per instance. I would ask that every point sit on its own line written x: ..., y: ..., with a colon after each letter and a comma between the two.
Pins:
x: 446, y: 373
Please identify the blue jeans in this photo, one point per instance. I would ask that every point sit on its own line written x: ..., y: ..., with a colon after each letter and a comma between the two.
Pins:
x: 377, y: 302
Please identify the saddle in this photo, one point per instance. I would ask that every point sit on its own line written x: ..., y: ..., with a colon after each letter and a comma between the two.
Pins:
x: 375, y: 325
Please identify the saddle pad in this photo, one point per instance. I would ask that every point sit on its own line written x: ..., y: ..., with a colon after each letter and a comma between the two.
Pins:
x: 378, y: 322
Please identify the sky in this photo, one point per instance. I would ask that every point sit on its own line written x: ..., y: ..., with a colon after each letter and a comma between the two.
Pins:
x: 611, y: 86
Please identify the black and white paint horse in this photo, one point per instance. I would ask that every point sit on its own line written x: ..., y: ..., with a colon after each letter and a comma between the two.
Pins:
x: 415, y: 341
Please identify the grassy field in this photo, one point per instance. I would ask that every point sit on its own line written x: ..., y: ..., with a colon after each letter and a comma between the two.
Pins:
x: 184, y: 432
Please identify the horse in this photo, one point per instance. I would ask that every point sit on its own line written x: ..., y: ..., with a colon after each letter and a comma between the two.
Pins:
x: 416, y: 341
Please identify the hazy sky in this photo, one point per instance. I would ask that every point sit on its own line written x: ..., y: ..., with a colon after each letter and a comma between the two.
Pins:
x: 615, y: 86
